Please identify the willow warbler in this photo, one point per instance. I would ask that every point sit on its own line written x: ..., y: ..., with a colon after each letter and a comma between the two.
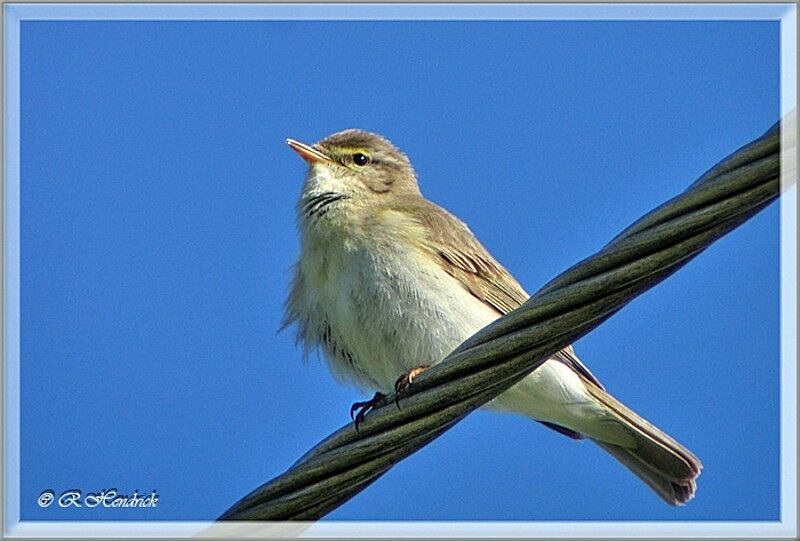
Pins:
x: 388, y: 283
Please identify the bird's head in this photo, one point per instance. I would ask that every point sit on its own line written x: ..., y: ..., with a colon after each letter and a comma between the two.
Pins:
x: 352, y: 171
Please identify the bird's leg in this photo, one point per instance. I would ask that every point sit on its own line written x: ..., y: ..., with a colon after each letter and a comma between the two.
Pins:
x: 364, y: 407
x: 405, y: 381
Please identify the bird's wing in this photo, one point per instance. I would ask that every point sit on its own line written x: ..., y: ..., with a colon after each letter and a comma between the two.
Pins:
x: 464, y: 258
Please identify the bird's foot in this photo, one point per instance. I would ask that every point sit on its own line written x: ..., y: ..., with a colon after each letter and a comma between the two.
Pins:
x: 405, y: 381
x: 359, y: 409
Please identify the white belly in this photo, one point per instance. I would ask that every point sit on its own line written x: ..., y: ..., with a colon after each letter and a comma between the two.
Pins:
x: 394, y: 317
x: 385, y: 319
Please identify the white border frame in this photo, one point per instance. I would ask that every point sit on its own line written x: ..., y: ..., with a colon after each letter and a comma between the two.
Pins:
x: 14, y: 14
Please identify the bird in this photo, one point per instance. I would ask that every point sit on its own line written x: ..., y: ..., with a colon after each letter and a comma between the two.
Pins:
x: 388, y: 283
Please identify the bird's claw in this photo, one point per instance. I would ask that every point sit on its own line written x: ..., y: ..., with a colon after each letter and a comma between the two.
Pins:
x: 359, y: 409
x: 405, y: 381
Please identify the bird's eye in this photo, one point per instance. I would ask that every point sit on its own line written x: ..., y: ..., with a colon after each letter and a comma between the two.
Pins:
x: 360, y: 159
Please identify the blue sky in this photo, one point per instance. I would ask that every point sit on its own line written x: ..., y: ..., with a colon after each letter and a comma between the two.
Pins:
x: 157, y: 233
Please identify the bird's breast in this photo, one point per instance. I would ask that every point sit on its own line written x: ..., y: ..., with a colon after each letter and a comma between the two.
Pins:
x: 385, y: 306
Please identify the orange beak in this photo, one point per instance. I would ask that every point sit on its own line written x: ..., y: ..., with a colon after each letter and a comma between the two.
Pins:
x: 308, y: 153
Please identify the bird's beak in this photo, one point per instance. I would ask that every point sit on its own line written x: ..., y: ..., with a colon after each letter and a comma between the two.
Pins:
x: 308, y: 153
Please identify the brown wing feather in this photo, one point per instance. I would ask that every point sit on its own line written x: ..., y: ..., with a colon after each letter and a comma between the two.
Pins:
x: 464, y: 258
x: 568, y: 357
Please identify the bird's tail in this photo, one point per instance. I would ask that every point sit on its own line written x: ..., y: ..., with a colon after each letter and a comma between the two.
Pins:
x: 665, y: 465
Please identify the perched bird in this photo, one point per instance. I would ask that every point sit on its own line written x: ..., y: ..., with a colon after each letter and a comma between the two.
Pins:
x: 388, y: 283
